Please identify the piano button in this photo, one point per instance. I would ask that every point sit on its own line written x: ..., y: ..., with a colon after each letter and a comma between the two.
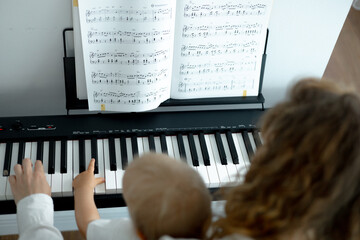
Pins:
x: 248, y: 146
x: 56, y: 178
x: 180, y: 143
x: 202, y: 170
x: 46, y: 162
x: 169, y: 146
x: 33, y: 152
x: 100, y: 188
x: 231, y: 167
x: 112, y: 154
x: 7, y: 160
x: 63, y: 156
x: 151, y: 143
x: 194, y: 155
x: 75, y: 157
x: 252, y: 141
x: 243, y: 150
x: 221, y: 169
x: 87, y: 153
x: 163, y: 144
x: 39, y: 150
x: 157, y: 144
x: 230, y: 141
x: 211, y: 168
x: 67, y: 176
x: 124, y: 157
x: 110, y: 182
x: 3, y: 179
x: 220, y: 148
x: 82, y: 161
x: 51, y: 167
x: 175, y: 148
x: 204, y: 150
x: 129, y: 150
x: 134, y: 146
x: 94, y: 154
x: 140, y: 145
x: 27, y: 150
x: 21, y: 152
x: 146, y: 145
x: 257, y: 138
x: 188, y: 157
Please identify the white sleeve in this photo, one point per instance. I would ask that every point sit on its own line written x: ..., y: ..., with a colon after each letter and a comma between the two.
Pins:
x: 35, y: 217
x: 111, y: 229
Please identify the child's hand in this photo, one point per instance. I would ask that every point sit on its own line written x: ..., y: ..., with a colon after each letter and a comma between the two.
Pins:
x: 86, y: 180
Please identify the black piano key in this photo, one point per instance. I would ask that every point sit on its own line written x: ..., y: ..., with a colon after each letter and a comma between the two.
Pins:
x: 163, y: 144
x: 221, y: 149
x: 194, y: 156
x: 39, y: 150
x: 181, y: 146
x: 112, y: 154
x: 257, y: 138
x: 204, y: 150
x: 234, y: 155
x: 151, y: 143
x: 134, y: 146
x: 7, y: 162
x: 82, y: 161
x: 124, y: 158
x: 21, y: 152
x: 51, y: 168
x: 63, y: 156
x: 248, y: 146
x: 94, y: 154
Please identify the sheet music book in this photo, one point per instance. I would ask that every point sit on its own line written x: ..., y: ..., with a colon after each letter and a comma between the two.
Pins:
x: 138, y: 54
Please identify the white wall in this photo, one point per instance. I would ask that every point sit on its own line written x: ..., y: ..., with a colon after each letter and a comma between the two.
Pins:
x: 302, y: 36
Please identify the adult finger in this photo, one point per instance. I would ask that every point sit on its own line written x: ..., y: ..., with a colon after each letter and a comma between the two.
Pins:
x: 27, y: 166
x: 39, y: 166
x: 12, y: 181
x: 18, y: 170
x: 91, y: 165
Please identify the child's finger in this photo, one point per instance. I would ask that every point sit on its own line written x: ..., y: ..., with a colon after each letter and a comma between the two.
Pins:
x: 99, y: 180
x: 91, y: 165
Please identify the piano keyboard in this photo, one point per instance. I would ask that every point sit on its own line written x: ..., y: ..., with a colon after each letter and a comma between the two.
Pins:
x: 65, y: 145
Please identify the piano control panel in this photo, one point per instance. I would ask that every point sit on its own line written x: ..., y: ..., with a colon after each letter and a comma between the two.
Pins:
x: 217, y: 144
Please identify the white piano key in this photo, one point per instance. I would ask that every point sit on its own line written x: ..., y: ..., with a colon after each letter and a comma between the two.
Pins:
x: 212, y: 170
x: 188, y: 153
x: 157, y: 145
x: 100, y: 189
x: 146, y: 144
x: 3, y: 179
x: 56, y: 178
x: 252, y: 141
x: 261, y: 138
x: 75, y: 157
x: 87, y: 152
x: 140, y: 146
x: 33, y: 152
x: 46, y: 162
x: 243, y: 149
x: 68, y: 176
x: 201, y: 168
x: 169, y: 146
x: 110, y: 176
x: 27, y: 152
x: 222, y: 170
x: 119, y: 171
x: 175, y: 148
x: 231, y: 167
x: 241, y: 166
x: 14, y: 158
x: 129, y: 150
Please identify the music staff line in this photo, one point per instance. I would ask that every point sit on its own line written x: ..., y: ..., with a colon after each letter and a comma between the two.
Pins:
x: 126, y: 37
x: 215, y: 68
x: 188, y: 86
x: 120, y: 79
x: 128, y: 58
x: 207, y: 10
x: 205, y: 31
x: 127, y: 15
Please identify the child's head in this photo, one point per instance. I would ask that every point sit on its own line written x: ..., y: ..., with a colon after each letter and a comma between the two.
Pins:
x: 166, y: 197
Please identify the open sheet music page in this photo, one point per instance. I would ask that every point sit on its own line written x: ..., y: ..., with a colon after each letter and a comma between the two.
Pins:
x: 127, y: 48
x: 218, y: 47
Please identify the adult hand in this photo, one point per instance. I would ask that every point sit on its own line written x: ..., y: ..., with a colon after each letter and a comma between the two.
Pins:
x: 26, y: 181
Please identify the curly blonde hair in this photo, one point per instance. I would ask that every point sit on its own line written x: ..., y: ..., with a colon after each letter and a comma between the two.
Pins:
x: 306, y: 176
